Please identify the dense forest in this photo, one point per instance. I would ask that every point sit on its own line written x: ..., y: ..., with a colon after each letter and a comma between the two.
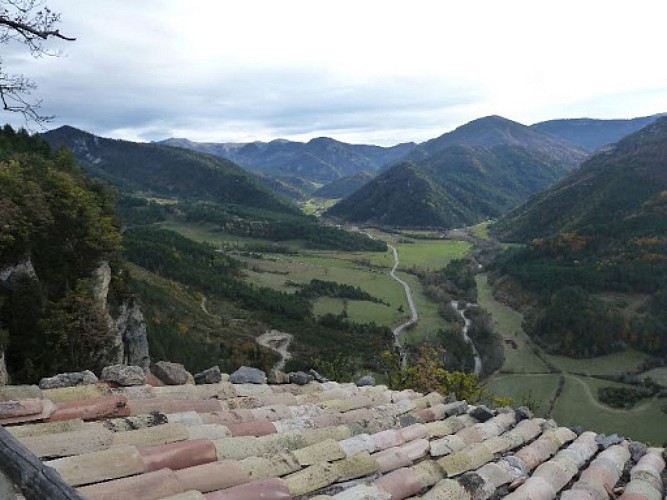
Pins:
x: 57, y: 226
x: 600, y: 231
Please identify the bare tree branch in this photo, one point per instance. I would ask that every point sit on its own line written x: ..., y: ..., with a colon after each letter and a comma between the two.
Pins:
x: 31, y: 23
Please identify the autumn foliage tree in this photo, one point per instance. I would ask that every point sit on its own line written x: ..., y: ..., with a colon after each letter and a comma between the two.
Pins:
x: 428, y: 373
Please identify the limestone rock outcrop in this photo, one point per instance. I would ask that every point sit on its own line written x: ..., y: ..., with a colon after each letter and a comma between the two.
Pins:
x: 131, y: 327
x: 4, y: 376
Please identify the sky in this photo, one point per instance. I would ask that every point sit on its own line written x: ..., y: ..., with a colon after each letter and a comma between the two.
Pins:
x: 362, y: 71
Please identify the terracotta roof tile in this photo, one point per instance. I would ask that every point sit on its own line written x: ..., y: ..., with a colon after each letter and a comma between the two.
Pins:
x: 179, y: 455
x: 213, y: 476
x: 45, y: 428
x: 269, y: 489
x: 64, y: 444
x: 112, y: 463
x: 92, y: 409
x: 392, y: 459
x: 77, y: 392
x: 149, y: 486
x: 14, y: 392
x: 188, y: 495
x: 275, y: 465
x: 601, y: 475
x: 326, y: 441
x: 48, y: 408
x: 151, y: 436
x: 310, y: 479
x: 20, y: 408
x: 400, y: 483
x: 252, y: 429
x: 208, y: 431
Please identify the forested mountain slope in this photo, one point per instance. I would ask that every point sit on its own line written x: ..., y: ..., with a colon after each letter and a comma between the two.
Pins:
x: 321, y: 159
x: 495, y: 130
x: 592, y: 134
x: 601, y: 229
x: 167, y: 171
x: 479, y: 171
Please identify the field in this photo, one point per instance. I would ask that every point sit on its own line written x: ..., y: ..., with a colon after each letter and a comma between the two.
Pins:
x: 658, y: 374
x: 537, y: 388
x: 482, y: 229
x: 317, y: 206
x: 367, y: 270
x: 524, y: 373
x: 507, y: 322
x: 578, y: 405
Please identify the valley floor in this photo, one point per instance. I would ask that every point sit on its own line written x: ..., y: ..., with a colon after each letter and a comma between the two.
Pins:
x: 568, y: 390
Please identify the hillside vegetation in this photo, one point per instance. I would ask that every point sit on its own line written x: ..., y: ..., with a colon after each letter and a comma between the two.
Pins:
x: 156, y: 183
x: 321, y: 159
x: 57, y: 226
x: 477, y: 172
x: 602, y: 229
x: 592, y: 134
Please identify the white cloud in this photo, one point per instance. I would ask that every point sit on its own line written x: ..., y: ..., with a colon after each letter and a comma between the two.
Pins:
x: 371, y: 71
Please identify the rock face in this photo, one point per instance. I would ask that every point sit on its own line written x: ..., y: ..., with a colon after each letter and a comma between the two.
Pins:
x: 130, y: 342
x: 4, y: 376
x: 300, y: 378
x: 171, y: 373
x: 124, y: 375
x: 278, y: 377
x: 68, y: 380
x: 102, y: 276
x: 248, y: 375
x: 131, y: 327
x: 209, y: 376
x: 24, y: 267
x: 365, y: 380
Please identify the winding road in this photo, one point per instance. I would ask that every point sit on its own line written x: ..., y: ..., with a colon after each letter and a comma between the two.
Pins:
x: 466, y: 338
x: 414, y: 317
x: 278, y: 342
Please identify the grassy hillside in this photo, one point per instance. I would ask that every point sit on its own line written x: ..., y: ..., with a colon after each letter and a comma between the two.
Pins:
x: 458, y: 186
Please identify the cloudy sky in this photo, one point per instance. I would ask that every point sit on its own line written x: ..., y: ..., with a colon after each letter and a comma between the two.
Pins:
x: 371, y: 71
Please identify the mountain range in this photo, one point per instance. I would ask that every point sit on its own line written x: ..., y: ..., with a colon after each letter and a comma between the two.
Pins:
x: 592, y: 134
x: 321, y: 159
x: 478, y: 171
x: 167, y: 171
x: 614, y: 191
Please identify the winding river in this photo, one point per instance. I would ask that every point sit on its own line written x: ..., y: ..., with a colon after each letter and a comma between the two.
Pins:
x: 466, y: 338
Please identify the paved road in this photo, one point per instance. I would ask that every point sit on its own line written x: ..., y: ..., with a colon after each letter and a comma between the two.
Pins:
x: 414, y: 317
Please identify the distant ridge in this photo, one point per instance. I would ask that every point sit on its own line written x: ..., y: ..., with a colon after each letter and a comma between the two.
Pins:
x: 167, y: 171
x: 611, y: 189
x: 592, y: 134
x: 478, y: 171
x: 495, y: 130
x: 321, y: 159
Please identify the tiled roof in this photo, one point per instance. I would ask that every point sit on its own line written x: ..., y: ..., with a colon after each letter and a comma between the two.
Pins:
x: 328, y: 440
